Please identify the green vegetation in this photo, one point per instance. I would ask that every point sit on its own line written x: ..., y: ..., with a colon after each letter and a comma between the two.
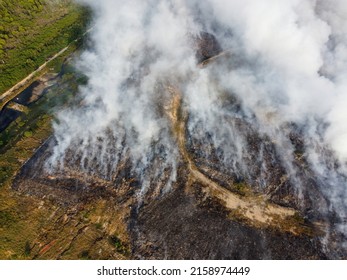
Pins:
x: 20, y: 217
x: 28, y: 133
x: 241, y: 188
x: 118, y: 244
x: 31, y: 31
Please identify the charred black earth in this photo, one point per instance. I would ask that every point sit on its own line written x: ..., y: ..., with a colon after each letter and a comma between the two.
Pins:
x: 185, y: 223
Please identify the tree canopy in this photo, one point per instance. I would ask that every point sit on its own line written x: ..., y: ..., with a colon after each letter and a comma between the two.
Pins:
x: 33, y: 30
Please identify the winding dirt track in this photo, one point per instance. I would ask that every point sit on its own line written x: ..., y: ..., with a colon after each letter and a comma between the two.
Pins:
x: 253, y: 209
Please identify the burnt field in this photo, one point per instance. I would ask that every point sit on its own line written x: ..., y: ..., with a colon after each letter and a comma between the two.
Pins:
x: 210, y: 210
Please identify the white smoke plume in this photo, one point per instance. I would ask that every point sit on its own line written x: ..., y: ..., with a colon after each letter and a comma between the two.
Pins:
x: 288, y: 68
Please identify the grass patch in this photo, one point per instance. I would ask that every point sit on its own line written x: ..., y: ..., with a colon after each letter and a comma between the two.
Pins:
x: 118, y: 244
x: 241, y: 188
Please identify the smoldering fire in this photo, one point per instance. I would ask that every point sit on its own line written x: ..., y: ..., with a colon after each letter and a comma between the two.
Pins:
x: 282, y: 89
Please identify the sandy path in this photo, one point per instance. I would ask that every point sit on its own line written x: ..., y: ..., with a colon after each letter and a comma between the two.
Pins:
x: 253, y: 209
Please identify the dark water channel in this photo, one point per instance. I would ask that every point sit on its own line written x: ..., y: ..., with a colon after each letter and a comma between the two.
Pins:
x: 7, y: 116
x: 28, y: 96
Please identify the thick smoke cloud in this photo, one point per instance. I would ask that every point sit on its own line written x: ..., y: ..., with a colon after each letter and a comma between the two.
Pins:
x: 288, y: 66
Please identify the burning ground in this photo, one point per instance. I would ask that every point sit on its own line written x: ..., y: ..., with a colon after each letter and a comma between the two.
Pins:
x: 205, y: 131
